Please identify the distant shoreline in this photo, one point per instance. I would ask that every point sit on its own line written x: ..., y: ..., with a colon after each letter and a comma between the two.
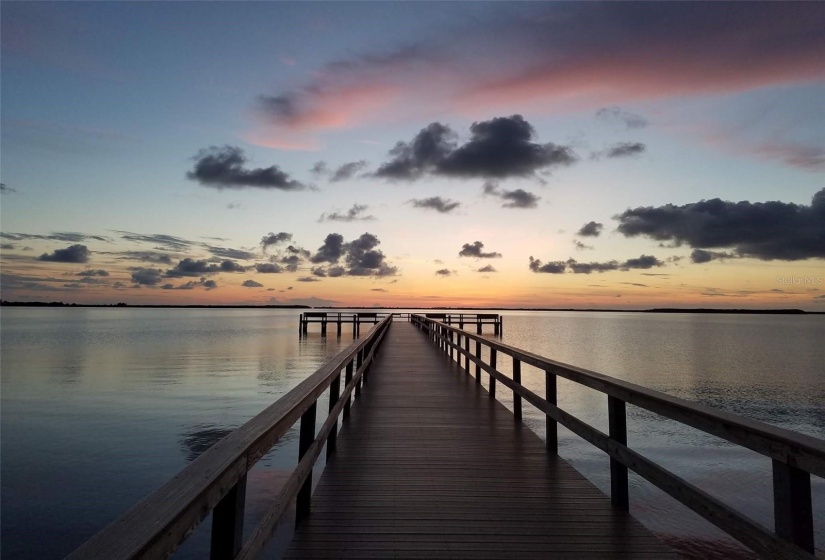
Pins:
x: 653, y: 310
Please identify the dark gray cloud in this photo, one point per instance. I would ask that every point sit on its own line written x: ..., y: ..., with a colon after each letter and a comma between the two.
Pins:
x: 518, y: 198
x: 72, y: 254
x: 271, y: 239
x: 763, y: 230
x: 363, y: 259
x: 5, y: 189
x: 700, y: 256
x: 319, y: 271
x: 93, y: 272
x: 146, y: 256
x: 379, y: 290
x: 590, y: 229
x: 166, y: 242
x: 331, y: 251
x: 223, y: 168
x: 291, y: 262
x: 268, y: 268
x: 444, y: 272
x: 622, y: 149
x: 6, y: 246
x: 488, y: 268
x: 192, y: 284
x: 252, y: 284
x: 580, y: 246
x: 228, y: 253
x: 307, y: 279
x: 347, y: 171
x: 191, y: 267
x: 498, y: 148
x: 356, y: 213
x: 147, y: 276
x: 67, y: 236
x: 555, y: 267
x: 475, y: 250
x: 443, y: 205
x: 320, y: 168
x: 587, y: 268
x: 617, y: 115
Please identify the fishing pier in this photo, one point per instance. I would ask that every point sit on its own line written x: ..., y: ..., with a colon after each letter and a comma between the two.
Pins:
x: 423, y: 461
x: 356, y: 319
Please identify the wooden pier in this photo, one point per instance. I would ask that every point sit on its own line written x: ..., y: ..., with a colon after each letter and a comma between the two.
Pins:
x: 428, y: 464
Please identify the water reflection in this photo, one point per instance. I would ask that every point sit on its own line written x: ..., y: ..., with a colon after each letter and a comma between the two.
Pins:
x: 200, y: 438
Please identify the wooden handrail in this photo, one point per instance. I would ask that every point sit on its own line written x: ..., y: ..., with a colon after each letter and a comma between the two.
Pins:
x: 216, y: 480
x: 795, y: 456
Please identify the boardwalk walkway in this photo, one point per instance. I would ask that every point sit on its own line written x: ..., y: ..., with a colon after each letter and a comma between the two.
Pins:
x: 429, y: 467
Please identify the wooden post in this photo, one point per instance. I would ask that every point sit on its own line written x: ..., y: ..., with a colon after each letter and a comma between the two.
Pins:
x: 227, y: 523
x: 792, y: 511
x: 618, y: 472
x: 478, y: 367
x: 478, y: 326
x: 338, y: 323
x: 461, y: 320
x: 307, y: 436
x: 451, y: 338
x: 359, y: 360
x: 517, y: 397
x: 551, y: 426
x: 324, y: 326
x: 493, y: 353
x: 347, y: 379
x: 466, y: 353
x: 334, y: 394
x: 301, y: 324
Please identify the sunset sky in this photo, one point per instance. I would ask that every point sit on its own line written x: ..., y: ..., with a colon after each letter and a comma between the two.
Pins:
x: 569, y: 155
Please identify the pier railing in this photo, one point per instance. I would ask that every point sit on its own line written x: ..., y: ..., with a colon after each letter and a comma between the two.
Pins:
x: 216, y: 481
x: 795, y: 456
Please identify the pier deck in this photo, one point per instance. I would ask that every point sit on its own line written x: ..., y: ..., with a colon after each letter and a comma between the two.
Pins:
x: 428, y: 466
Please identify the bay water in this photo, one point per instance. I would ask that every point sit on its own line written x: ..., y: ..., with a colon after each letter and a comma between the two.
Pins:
x: 100, y: 406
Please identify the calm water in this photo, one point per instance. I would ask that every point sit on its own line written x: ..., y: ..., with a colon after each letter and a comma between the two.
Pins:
x: 101, y: 406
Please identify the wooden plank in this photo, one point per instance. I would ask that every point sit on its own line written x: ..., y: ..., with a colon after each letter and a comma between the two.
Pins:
x: 429, y: 466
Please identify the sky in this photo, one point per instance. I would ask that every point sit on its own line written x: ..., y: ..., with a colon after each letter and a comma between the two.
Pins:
x: 541, y: 154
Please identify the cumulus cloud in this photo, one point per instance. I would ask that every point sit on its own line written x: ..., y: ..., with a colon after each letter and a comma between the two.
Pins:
x: 555, y: 267
x: 590, y: 229
x: 363, y: 259
x: 223, y: 168
x: 347, y: 171
x: 763, y: 230
x: 475, y: 250
x: 272, y: 239
x: 268, y: 268
x: 191, y: 267
x: 488, y: 268
x: 147, y: 276
x: 499, y: 148
x: 443, y: 205
x: 518, y: 198
x: 617, y: 115
x: 444, y: 272
x: 356, y: 213
x: 700, y: 256
x: 192, y: 284
x: 331, y: 251
x: 72, y: 254
x: 252, y: 284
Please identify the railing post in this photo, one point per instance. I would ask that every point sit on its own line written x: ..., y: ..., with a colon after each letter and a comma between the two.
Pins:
x: 347, y: 379
x: 493, y: 353
x: 466, y: 353
x: 359, y: 361
x: 618, y: 472
x: 478, y: 366
x: 307, y: 436
x: 551, y: 426
x: 334, y: 394
x: 227, y: 523
x: 516, y: 396
x: 792, y: 511
x: 452, y: 336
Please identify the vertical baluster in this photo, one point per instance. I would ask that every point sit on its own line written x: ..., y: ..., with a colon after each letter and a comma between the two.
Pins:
x: 478, y: 366
x: 307, y: 435
x: 227, y: 523
x: 334, y: 394
x: 493, y: 353
x: 452, y: 336
x: 359, y: 360
x: 618, y: 472
x: 792, y: 510
x: 347, y: 379
x: 466, y: 353
x: 551, y: 426
x: 517, y: 397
